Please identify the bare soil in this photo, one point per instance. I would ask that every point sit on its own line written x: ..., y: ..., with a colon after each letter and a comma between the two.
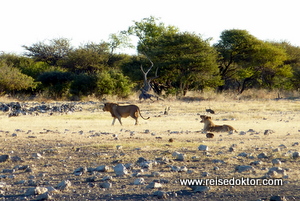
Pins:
x: 87, y: 139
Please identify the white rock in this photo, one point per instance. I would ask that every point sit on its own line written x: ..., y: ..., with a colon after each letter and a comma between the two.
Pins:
x: 120, y: 170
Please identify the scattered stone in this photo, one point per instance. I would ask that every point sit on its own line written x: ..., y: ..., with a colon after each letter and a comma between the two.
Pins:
x: 244, y: 168
x: 296, y: 155
x: 120, y: 170
x: 244, y: 154
x: 282, y: 146
x: 277, y: 150
x: 276, y: 162
x: 205, y: 174
x: 160, y: 194
x: 178, y: 169
x: 102, y: 168
x: 295, y: 144
x: 200, y: 189
x: 180, y: 157
x: 44, y: 196
x: 275, y: 172
x: 218, y: 161
x: 36, y: 191
x: 63, y: 185
x: 262, y: 155
x: 4, y: 158
x: 256, y: 163
x: 80, y: 171
x: 139, y: 181
x: 105, y: 185
x: 231, y: 149
x: 243, y: 133
x: 203, y: 148
x: 268, y: 132
x: 175, y: 153
x: 91, y: 179
x: 107, y: 178
x: 141, y: 159
x: 154, y: 184
x: 278, y: 198
x: 171, y: 140
x: 37, y: 156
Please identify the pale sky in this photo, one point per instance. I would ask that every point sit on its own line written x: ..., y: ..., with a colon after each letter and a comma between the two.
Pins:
x: 25, y: 22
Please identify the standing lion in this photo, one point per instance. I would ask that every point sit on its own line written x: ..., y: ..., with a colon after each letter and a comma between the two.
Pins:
x: 117, y: 112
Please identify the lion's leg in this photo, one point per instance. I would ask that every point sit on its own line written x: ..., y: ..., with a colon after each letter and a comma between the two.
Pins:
x: 119, y: 118
x: 113, y: 122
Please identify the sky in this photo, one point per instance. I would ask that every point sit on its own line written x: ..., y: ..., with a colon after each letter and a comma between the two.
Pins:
x: 25, y: 22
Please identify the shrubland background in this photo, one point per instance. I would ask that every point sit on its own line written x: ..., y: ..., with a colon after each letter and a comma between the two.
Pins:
x: 170, y: 61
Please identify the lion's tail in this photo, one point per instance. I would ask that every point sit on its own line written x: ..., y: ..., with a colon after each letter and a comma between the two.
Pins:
x: 142, y: 116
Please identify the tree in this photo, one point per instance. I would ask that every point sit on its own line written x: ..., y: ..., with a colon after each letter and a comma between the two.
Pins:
x: 51, y: 53
x: 248, y: 61
x: 11, y: 79
x: 148, y: 30
x: 293, y: 53
x: 186, y: 61
x: 88, y: 58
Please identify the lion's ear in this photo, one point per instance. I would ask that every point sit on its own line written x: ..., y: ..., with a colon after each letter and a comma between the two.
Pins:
x: 208, y: 117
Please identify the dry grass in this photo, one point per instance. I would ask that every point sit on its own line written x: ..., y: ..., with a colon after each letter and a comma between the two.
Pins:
x: 150, y: 139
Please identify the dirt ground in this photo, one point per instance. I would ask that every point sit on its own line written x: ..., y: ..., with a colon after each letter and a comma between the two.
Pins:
x: 87, y: 139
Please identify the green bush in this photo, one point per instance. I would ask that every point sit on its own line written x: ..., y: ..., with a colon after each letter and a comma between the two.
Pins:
x: 113, y: 83
x: 11, y: 79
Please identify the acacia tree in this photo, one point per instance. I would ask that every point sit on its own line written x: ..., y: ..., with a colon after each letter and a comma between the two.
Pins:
x: 186, y: 61
x: 248, y: 61
x: 88, y: 58
x: 51, y: 52
x: 148, y: 30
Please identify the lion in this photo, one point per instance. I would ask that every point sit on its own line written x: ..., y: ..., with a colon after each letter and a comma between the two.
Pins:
x: 210, y: 126
x: 117, y: 112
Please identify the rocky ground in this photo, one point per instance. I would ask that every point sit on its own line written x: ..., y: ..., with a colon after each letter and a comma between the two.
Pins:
x: 69, y: 151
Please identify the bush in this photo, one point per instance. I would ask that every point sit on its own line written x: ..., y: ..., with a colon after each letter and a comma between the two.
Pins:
x: 83, y: 85
x: 57, y: 83
x: 11, y: 79
x: 113, y: 83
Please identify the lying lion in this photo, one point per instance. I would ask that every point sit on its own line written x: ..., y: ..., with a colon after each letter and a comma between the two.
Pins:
x: 211, y: 127
x: 117, y: 112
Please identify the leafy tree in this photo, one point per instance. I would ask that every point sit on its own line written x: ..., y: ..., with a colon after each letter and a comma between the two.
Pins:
x: 248, y: 61
x: 88, y: 58
x: 51, y: 53
x: 119, y: 41
x: 293, y: 60
x: 148, y: 30
x: 27, y: 65
x: 186, y: 61
x: 11, y: 79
